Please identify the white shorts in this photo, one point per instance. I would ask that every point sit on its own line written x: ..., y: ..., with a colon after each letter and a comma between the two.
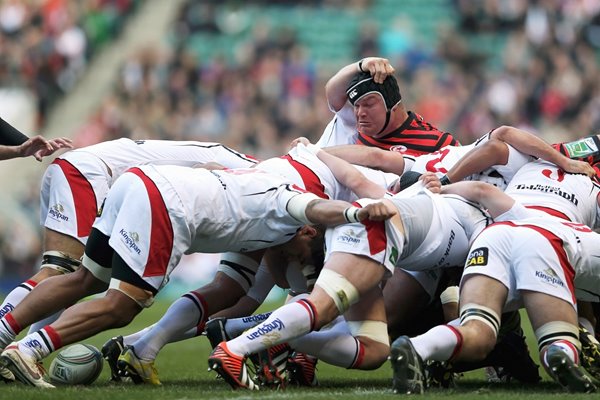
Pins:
x: 428, y: 279
x: 136, y: 218
x: 73, y: 188
x: 522, y: 257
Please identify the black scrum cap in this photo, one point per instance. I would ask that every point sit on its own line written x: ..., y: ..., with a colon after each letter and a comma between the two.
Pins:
x: 362, y: 84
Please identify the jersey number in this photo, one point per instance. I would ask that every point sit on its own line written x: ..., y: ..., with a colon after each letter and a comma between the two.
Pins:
x: 431, y: 164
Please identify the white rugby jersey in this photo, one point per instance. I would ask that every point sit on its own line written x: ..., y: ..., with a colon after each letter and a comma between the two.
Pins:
x: 306, y: 170
x: 228, y: 210
x: 441, y: 161
x: 122, y: 154
x: 581, y: 246
x: 543, y: 184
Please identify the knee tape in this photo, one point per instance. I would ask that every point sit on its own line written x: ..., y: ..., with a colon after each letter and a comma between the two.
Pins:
x: 374, y: 330
x: 557, y: 330
x: 142, y: 297
x: 59, y: 261
x: 343, y: 293
x: 240, y: 268
x: 101, y: 273
x: 476, y: 312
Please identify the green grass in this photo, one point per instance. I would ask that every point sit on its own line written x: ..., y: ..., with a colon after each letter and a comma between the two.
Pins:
x: 183, y: 370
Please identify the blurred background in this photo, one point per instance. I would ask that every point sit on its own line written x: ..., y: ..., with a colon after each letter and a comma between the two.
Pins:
x: 251, y: 74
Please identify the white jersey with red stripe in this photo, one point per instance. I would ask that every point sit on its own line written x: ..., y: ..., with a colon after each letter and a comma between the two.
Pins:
x: 158, y: 213
x: 122, y: 154
x: 441, y: 161
x: 543, y: 184
x: 303, y: 168
x: 76, y: 183
x: 430, y: 231
x: 541, y: 253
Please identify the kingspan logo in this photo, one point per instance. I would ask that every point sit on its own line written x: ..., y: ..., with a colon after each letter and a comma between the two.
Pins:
x: 131, y: 239
x: 56, y: 212
x: 265, y: 329
x: 549, y: 276
x: 348, y: 236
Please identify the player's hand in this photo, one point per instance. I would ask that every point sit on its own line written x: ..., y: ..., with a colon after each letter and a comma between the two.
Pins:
x: 431, y: 182
x: 578, y: 167
x: 39, y: 147
x: 297, y: 141
x: 379, y: 211
x: 379, y: 68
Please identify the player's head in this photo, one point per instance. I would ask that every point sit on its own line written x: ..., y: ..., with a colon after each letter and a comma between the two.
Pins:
x: 406, y: 180
x: 373, y: 102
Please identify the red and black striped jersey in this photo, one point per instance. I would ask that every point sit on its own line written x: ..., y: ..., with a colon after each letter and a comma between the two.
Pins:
x: 414, y: 137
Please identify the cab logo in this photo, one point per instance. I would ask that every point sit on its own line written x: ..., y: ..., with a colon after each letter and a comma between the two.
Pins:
x: 478, y: 257
x: 56, y: 212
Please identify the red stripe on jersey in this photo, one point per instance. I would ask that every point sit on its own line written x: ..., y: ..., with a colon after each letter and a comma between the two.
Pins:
x: 557, y: 245
x: 414, y: 137
x: 84, y: 198
x: 376, y: 235
x: 550, y: 211
x: 161, y: 235
x: 312, y: 183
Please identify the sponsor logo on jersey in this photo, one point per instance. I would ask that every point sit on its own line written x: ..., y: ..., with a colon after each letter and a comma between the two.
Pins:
x: 266, y: 329
x: 448, y: 248
x: 56, y: 212
x: 477, y: 258
x: 131, y: 239
x: 394, y: 255
x: 348, y: 236
x: 549, y: 189
x: 398, y: 148
x: 549, y: 276
x: 581, y: 148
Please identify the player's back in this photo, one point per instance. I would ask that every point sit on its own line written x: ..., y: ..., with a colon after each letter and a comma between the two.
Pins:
x: 543, y: 184
x: 229, y: 210
x: 122, y: 154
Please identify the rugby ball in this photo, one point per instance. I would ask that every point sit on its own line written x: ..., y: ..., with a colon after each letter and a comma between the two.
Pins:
x: 79, y: 364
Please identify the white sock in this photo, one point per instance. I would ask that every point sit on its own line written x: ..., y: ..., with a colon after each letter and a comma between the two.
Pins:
x: 16, y: 296
x: 290, y: 321
x: 40, y: 344
x: 9, y: 329
x: 184, y: 315
x: 333, y: 344
x: 235, y: 326
x: 439, y: 343
x: 134, y: 337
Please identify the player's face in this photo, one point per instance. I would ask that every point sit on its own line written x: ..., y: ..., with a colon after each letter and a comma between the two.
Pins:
x: 370, y: 114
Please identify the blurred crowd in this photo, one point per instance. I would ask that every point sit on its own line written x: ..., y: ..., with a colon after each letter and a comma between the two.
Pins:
x: 45, y: 44
x: 543, y: 78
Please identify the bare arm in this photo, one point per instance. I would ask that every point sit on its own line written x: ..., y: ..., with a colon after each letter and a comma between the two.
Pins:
x: 490, y: 197
x: 335, y: 89
x: 35, y: 146
x: 372, y: 157
x: 336, y: 212
x: 533, y: 145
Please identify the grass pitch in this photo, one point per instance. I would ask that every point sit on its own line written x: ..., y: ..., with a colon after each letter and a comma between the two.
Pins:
x: 183, y: 371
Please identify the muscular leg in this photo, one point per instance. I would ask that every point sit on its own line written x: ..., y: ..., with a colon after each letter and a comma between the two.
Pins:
x: 56, y: 293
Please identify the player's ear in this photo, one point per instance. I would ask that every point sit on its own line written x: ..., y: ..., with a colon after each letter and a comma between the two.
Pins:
x: 309, y: 231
